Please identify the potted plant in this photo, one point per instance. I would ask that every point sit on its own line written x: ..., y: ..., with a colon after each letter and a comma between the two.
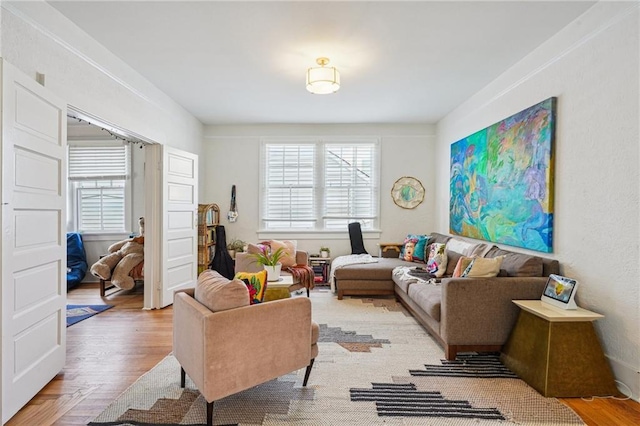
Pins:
x: 324, y: 251
x: 270, y: 261
x: 235, y: 246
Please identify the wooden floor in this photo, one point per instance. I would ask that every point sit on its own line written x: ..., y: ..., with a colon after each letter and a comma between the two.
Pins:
x: 108, y: 352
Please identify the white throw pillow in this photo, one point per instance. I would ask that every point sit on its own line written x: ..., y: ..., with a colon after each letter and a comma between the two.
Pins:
x: 462, y: 247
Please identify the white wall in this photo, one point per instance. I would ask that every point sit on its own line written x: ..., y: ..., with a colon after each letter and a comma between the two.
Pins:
x: 231, y: 155
x: 592, y: 66
x: 36, y: 38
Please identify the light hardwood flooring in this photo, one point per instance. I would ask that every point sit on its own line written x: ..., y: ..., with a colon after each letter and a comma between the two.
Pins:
x: 108, y: 352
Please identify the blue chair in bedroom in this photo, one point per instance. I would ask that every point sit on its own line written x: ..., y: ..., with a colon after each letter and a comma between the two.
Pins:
x: 76, y: 260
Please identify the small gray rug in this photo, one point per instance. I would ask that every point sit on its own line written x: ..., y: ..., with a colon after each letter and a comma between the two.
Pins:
x: 374, y: 367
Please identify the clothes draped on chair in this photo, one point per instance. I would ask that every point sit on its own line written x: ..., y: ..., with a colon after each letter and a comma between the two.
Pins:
x: 355, y: 235
x: 303, y: 274
x: 222, y: 261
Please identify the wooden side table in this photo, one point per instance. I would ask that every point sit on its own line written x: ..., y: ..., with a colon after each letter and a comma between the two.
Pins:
x: 389, y: 249
x: 557, y: 351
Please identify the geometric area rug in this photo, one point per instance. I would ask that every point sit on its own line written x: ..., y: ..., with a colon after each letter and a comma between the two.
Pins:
x: 77, y: 313
x: 376, y: 365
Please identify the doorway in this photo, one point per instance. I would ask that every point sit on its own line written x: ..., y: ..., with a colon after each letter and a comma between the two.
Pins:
x: 85, y: 129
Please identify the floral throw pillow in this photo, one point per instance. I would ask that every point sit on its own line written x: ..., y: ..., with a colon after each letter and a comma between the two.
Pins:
x: 256, y: 284
x: 437, y: 261
x: 414, y: 248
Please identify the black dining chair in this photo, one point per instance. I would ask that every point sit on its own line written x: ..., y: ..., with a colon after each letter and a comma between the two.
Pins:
x: 355, y: 235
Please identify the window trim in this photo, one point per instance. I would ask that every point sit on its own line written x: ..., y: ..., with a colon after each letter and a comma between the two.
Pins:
x: 320, y: 143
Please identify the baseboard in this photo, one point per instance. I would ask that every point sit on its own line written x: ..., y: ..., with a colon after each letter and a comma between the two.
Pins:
x: 628, y: 375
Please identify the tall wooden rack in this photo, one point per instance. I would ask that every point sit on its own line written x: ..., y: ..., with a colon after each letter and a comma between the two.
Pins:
x: 208, y: 219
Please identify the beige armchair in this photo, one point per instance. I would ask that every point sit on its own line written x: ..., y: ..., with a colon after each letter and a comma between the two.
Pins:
x: 212, y: 347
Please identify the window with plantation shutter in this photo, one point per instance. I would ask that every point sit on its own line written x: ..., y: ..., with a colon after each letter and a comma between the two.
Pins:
x: 319, y: 185
x: 289, y: 181
x: 350, y: 189
x: 99, y: 175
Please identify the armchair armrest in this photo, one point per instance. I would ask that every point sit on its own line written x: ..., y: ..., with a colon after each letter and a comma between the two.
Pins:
x: 188, y: 345
x: 302, y: 257
x: 480, y: 311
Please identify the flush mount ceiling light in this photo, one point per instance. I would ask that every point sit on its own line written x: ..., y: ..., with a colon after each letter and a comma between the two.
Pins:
x: 323, y: 80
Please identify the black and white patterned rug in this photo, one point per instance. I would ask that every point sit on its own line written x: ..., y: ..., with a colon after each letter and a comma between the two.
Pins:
x: 376, y: 365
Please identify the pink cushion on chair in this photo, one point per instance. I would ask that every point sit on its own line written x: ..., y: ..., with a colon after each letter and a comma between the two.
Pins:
x: 219, y: 293
x: 289, y: 259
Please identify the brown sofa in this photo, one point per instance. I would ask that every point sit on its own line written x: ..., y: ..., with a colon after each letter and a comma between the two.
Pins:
x: 462, y: 314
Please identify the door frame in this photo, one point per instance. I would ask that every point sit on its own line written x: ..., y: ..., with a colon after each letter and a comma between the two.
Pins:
x: 152, y: 225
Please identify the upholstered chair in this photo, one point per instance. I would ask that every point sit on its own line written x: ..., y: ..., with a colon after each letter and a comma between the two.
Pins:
x: 216, y: 332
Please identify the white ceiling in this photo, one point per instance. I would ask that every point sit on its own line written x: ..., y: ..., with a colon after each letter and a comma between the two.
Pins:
x: 245, y: 62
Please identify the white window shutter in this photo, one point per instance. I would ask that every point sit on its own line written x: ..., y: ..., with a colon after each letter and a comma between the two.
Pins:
x: 350, y: 180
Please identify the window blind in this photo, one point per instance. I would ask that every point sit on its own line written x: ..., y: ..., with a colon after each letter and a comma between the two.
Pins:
x: 98, y: 162
x: 351, y: 192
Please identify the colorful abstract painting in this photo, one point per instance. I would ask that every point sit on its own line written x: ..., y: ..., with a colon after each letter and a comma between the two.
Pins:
x: 501, y: 185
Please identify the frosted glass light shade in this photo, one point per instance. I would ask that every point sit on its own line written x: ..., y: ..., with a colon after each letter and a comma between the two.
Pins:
x: 323, y: 80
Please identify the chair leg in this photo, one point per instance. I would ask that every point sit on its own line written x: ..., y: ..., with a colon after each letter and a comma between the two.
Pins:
x: 307, y: 372
x: 307, y: 291
x: 210, y: 413
x: 183, y: 377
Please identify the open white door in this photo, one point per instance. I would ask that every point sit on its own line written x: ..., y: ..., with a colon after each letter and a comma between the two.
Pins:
x: 179, y: 267
x: 34, y: 245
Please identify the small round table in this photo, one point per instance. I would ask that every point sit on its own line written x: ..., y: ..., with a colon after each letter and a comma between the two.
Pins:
x: 278, y: 289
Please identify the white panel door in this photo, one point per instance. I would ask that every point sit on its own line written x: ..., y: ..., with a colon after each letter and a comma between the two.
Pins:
x: 34, y: 247
x: 180, y: 220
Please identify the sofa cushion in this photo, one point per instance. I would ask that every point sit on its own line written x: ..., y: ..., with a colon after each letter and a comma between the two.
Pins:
x: 256, y: 283
x: 289, y: 247
x: 452, y: 262
x: 437, y: 263
x: 428, y: 297
x: 378, y: 271
x: 517, y: 264
x: 414, y: 248
x: 481, y: 267
x: 403, y: 278
x: 461, y: 266
x: 219, y: 293
x: 467, y: 248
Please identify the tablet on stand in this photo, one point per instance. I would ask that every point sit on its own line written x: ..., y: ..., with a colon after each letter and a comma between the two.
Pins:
x: 560, y: 292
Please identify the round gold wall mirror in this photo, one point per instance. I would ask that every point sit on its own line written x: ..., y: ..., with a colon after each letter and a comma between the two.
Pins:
x: 407, y: 192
